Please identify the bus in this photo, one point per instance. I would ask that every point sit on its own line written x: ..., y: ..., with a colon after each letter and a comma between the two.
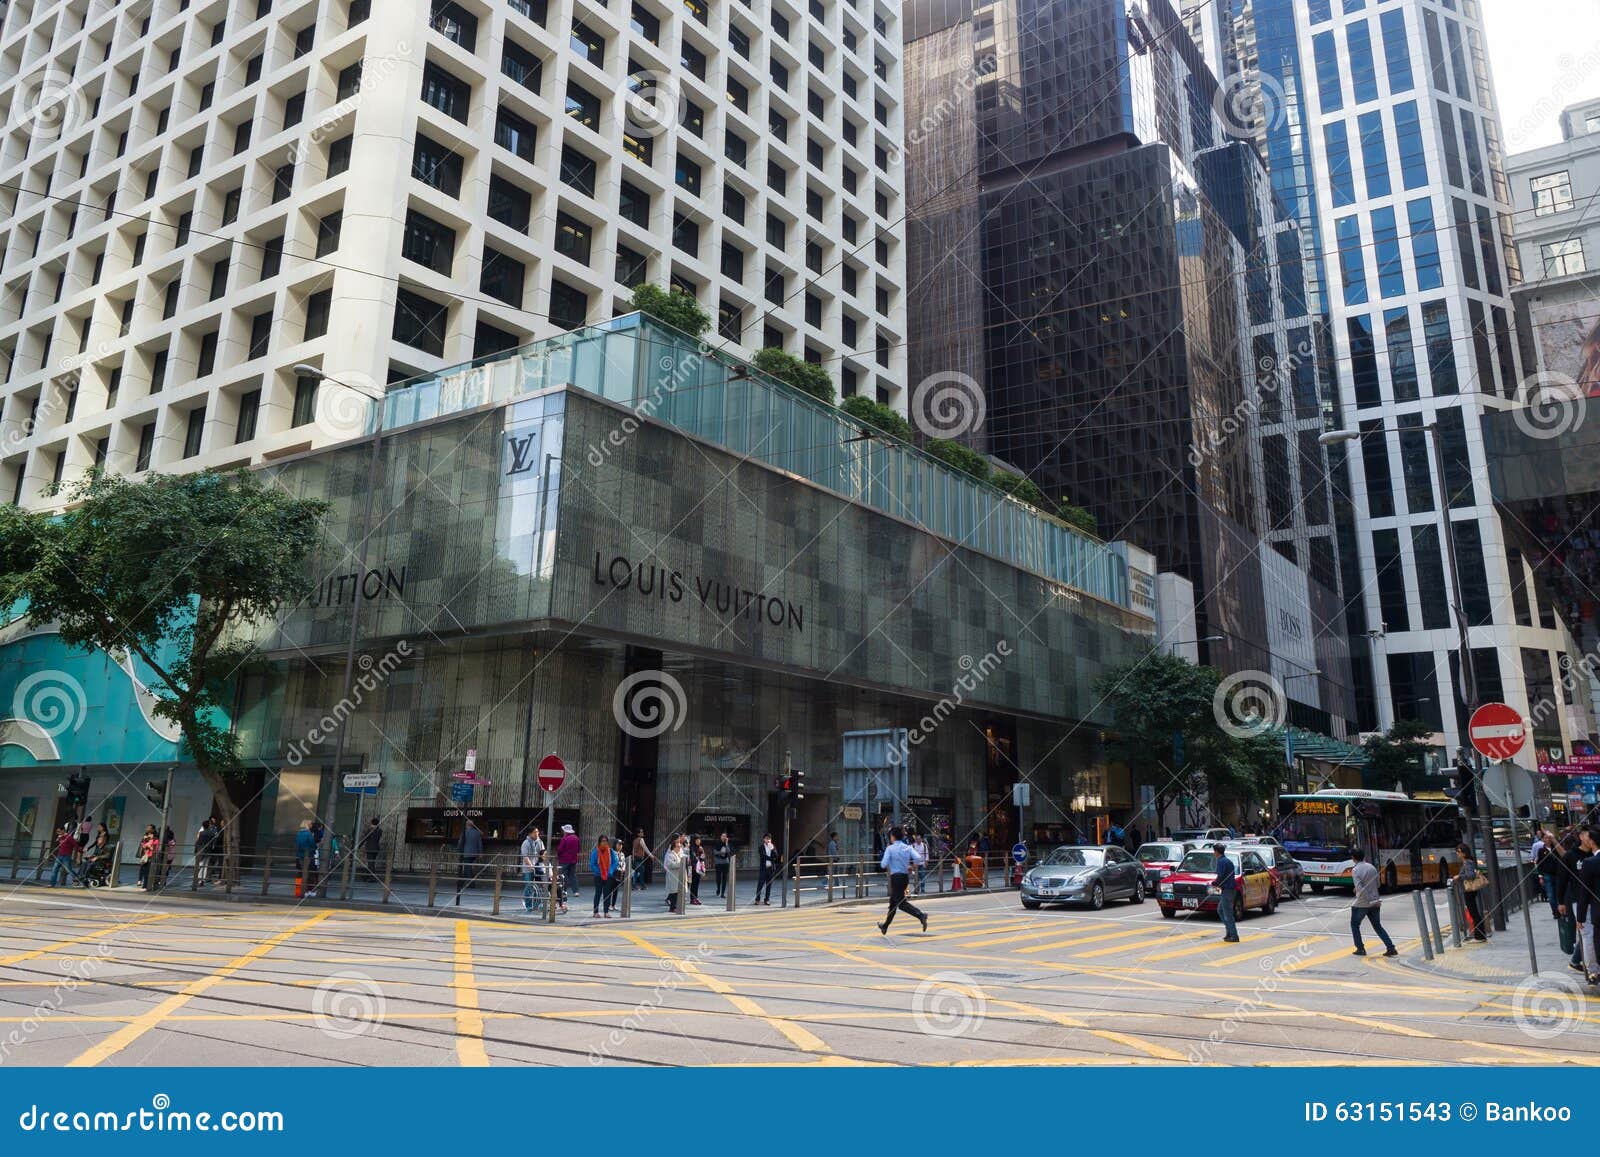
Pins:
x: 1410, y: 841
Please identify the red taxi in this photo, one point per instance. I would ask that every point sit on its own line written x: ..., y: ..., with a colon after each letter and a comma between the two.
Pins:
x: 1188, y: 889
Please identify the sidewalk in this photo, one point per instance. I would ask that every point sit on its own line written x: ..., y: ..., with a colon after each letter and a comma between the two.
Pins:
x: 1504, y: 956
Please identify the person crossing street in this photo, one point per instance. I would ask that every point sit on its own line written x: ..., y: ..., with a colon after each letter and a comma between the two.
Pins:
x: 1226, y: 885
x: 1367, y: 904
x: 898, y: 859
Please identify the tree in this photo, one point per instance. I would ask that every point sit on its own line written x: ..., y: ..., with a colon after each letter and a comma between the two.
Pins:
x: 1400, y: 756
x: 876, y: 414
x: 673, y: 307
x: 962, y: 458
x: 804, y: 376
x: 1077, y: 516
x: 163, y: 567
x: 1020, y: 488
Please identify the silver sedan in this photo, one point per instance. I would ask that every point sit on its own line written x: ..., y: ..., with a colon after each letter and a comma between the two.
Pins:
x: 1088, y: 875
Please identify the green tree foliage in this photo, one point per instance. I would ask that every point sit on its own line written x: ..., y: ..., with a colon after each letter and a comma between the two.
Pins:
x: 1077, y: 516
x: 960, y: 457
x: 874, y: 413
x: 673, y: 307
x: 1020, y: 488
x: 1399, y: 756
x: 162, y: 567
x: 802, y: 375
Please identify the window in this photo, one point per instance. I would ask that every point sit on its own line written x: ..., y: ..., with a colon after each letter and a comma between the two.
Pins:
x: 428, y: 243
x: 645, y: 25
x: 1402, y: 354
x: 249, y: 411
x: 588, y: 44
x: 1389, y: 563
x: 513, y: 133
x: 692, y: 117
x: 207, y: 362
x: 318, y: 307
x: 208, y: 94
x: 1341, y: 175
x: 777, y: 179
x: 733, y: 204
x: 632, y: 267
x: 633, y: 204
x: 1386, y: 253
x: 1424, y: 244
x: 1363, y: 361
x: 328, y: 233
x: 305, y: 401
x: 1351, y: 267
x: 1329, y: 86
x: 569, y: 307
x: 230, y: 205
x: 534, y: 10
x: 779, y: 74
x: 441, y: 90
x: 686, y: 234
x: 521, y: 66
x: 349, y: 84
x: 732, y: 261
x: 241, y: 137
x: 454, y: 24
x: 738, y: 95
x: 509, y: 205
x: 739, y: 40
x: 775, y: 231
x: 434, y: 164
x: 359, y: 11
x: 219, y: 279
x: 147, y: 444
x: 158, y: 372
x: 1563, y: 257
x: 271, y: 257
x: 638, y: 146
x: 260, y: 335
x: 488, y: 340
x: 294, y: 110
x: 1363, y: 70
x: 1552, y: 193
x: 1374, y: 154
x: 688, y: 175
x: 693, y: 61
x: 282, y: 182
x: 1408, y: 140
x: 774, y: 289
x: 304, y: 40
x: 778, y: 126
x: 339, y: 154
x: 504, y: 275
x: 734, y: 147
x: 730, y: 323
x: 578, y: 170
x: 1452, y: 146
x: 1396, y: 50
x: 419, y: 322
x: 583, y: 106
x: 1441, y: 348
x: 573, y: 238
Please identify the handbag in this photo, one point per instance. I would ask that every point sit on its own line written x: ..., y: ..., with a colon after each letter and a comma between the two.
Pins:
x: 1474, y: 883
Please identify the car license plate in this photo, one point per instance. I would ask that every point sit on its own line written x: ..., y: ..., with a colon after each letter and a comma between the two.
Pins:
x: 1047, y: 891
x: 1191, y: 902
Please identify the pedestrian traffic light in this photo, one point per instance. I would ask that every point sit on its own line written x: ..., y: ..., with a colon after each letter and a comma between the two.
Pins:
x: 784, y: 783
x: 156, y: 792
x: 798, y: 790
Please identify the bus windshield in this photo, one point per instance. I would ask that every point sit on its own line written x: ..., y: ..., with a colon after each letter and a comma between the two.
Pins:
x: 1317, y: 836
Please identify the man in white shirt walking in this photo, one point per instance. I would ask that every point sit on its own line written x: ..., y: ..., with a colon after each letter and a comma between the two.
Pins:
x: 1365, y: 878
x: 897, y: 860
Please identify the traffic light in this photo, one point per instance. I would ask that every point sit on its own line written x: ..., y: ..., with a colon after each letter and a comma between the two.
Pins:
x: 156, y: 792
x: 798, y: 791
x: 77, y: 790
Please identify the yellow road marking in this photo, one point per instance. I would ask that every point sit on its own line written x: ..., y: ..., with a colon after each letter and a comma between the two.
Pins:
x: 1082, y: 940
x: 148, y: 1020
x: 469, y: 1016
x: 1160, y: 1052
x: 1036, y: 934
x: 19, y: 957
x: 1306, y: 942
x: 801, y: 1037
x: 1207, y: 947
x: 1325, y: 958
x: 1148, y: 943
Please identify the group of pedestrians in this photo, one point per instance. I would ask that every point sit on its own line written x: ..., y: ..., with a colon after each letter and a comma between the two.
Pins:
x: 1569, y: 869
x: 82, y: 851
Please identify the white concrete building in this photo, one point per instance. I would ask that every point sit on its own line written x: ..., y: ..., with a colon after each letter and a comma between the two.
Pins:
x: 196, y: 197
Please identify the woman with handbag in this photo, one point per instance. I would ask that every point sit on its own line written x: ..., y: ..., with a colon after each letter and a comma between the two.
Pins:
x: 148, y: 845
x: 697, y: 869
x: 1472, y: 882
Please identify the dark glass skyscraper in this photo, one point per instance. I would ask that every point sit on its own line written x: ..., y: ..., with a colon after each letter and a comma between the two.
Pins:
x: 1094, y: 244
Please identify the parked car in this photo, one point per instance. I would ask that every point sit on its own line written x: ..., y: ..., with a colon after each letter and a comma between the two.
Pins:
x: 1159, y: 857
x: 1084, y: 874
x: 1189, y: 888
x: 1290, y: 875
x: 1201, y: 835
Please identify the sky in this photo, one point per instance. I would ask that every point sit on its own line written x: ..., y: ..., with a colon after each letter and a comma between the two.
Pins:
x: 1545, y: 55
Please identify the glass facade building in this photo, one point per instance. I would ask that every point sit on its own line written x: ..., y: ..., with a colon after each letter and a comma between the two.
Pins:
x: 573, y: 535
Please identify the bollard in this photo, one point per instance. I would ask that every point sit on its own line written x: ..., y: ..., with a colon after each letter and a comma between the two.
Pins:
x: 499, y: 878
x: 551, y: 889
x: 832, y: 864
x: 1433, y: 923
x: 683, y: 888
x: 861, y: 877
x: 733, y: 882
x: 1456, y: 918
x: 797, y: 883
x: 388, y: 878
x: 627, y: 889
x: 1422, y: 925
x: 266, y: 872
x: 349, y: 875
x: 433, y: 882
x: 194, y: 874
x: 16, y: 857
x: 116, y: 865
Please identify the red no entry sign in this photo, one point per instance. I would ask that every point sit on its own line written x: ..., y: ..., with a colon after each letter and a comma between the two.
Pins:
x: 552, y: 772
x: 1497, y: 730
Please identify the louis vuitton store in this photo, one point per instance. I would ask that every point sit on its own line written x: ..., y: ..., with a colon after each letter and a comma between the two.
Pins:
x: 677, y: 575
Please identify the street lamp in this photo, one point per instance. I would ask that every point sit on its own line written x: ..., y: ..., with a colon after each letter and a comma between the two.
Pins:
x: 1173, y: 646
x: 310, y: 371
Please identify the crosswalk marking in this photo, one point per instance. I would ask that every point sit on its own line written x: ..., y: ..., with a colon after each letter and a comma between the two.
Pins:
x: 1305, y: 942
x: 1151, y: 942
x: 1083, y: 940
x: 1192, y: 949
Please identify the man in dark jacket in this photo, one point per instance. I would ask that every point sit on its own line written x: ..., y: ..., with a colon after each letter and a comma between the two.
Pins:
x: 1566, y: 880
x: 1586, y: 894
x: 470, y: 848
x: 1227, y: 887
